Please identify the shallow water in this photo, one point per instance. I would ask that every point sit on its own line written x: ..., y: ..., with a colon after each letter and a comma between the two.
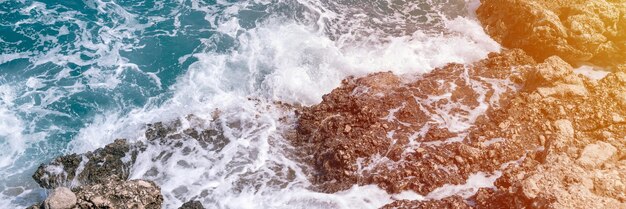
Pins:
x: 75, y: 75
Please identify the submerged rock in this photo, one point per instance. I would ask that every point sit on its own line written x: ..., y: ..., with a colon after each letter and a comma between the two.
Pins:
x: 590, y: 31
x: 192, y: 205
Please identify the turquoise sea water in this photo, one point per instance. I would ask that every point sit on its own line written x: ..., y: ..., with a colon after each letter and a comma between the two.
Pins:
x: 74, y: 75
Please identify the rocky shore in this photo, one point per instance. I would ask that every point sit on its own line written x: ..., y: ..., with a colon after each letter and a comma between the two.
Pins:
x: 578, y: 31
x: 521, y: 124
x: 99, y: 179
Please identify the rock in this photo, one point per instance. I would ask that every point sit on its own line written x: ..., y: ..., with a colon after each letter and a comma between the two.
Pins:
x: 60, y: 198
x: 92, y: 167
x: 115, y: 159
x: 194, y: 204
x: 565, y: 133
x: 112, y: 193
x: 120, y: 194
x: 530, y: 187
x: 563, y: 90
x: 348, y: 126
x: 577, y: 31
x: 595, y: 155
x: 535, y: 132
x: 454, y: 202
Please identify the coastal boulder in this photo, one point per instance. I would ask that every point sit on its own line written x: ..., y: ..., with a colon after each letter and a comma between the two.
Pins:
x: 60, y: 198
x: 590, y: 31
x: 112, y: 161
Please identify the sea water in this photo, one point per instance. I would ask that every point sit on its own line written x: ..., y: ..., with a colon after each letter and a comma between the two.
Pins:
x: 76, y: 75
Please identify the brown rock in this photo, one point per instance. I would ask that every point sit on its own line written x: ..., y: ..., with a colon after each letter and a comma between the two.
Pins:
x: 120, y: 194
x: 454, y: 202
x: 578, y: 31
x: 60, y: 198
x: 596, y: 154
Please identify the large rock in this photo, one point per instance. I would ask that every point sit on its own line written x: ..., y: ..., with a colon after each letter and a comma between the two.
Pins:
x: 120, y: 194
x: 402, y: 134
x: 417, y: 135
x: 192, y: 205
x: 112, y: 161
x: 592, y: 31
x: 99, y: 179
x: 60, y: 198
x: 115, y: 160
x: 596, y: 154
x: 111, y: 193
x: 454, y: 202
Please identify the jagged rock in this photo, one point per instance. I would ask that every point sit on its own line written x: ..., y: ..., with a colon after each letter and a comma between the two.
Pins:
x: 578, y: 31
x: 111, y: 193
x: 454, y: 202
x: 534, y: 138
x: 120, y: 194
x: 192, y: 205
x: 596, y: 154
x: 114, y: 160
x: 60, y: 198
x: 110, y: 162
x: 561, y: 174
x: 564, y: 133
x: 99, y: 178
x: 400, y: 129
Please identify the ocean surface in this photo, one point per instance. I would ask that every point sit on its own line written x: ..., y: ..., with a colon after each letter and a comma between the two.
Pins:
x: 76, y: 75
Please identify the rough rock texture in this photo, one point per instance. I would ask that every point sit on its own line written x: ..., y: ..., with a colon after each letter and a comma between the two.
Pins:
x: 454, y: 202
x: 92, y: 167
x: 113, y: 193
x: 592, y: 31
x: 557, y: 137
x: 120, y: 194
x: 60, y: 198
x: 114, y: 160
x: 402, y: 135
x: 192, y: 205
x: 583, y: 161
x: 99, y: 179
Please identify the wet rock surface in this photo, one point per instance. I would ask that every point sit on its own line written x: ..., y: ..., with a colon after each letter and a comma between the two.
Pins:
x: 109, y: 194
x: 99, y: 179
x: 553, y: 139
x: 192, y: 205
x: 404, y: 135
x: 582, y: 163
x: 454, y: 202
x: 576, y: 30
x: 120, y: 194
x: 110, y: 162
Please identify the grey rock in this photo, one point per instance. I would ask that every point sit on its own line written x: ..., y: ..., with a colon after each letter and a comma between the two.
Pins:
x: 60, y: 198
x: 89, y: 168
x: 194, y: 204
